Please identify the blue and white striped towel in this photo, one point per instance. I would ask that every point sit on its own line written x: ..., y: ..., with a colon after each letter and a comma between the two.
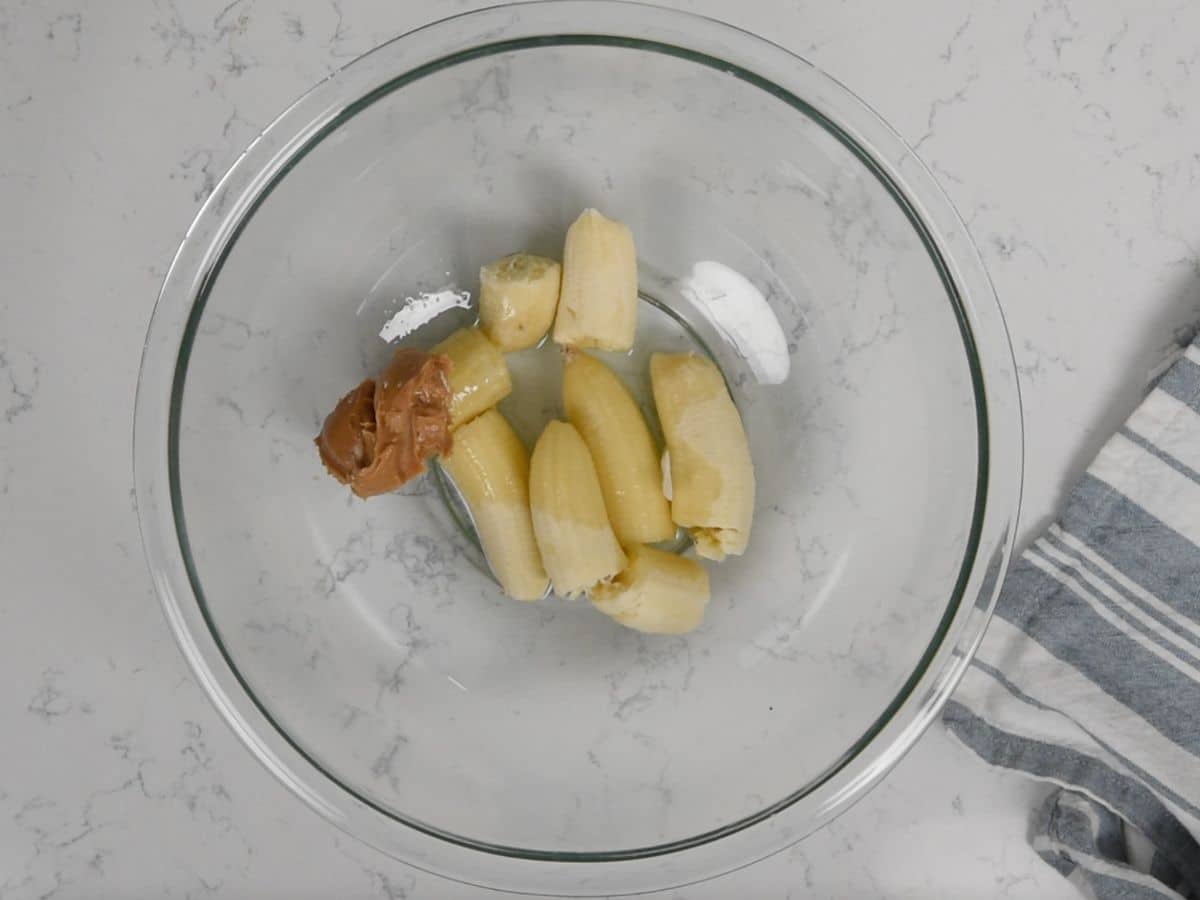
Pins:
x: 1089, y: 675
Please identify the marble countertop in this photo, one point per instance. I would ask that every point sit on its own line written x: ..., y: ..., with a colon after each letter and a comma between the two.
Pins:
x: 1066, y: 133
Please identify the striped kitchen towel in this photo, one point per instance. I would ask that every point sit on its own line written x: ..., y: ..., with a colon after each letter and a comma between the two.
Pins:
x: 1089, y: 675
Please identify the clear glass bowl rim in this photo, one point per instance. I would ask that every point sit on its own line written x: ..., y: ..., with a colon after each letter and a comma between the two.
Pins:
x: 448, y: 42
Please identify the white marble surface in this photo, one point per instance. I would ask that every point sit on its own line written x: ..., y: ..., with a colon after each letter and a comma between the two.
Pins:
x: 1065, y: 132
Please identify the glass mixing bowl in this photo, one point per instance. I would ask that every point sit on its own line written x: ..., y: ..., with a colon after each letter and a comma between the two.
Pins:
x: 363, y: 652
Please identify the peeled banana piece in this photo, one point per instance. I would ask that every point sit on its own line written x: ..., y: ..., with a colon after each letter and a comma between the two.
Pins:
x: 577, y: 543
x: 598, y: 304
x: 518, y: 296
x: 608, y: 419
x: 479, y: 378
x: 712, y: 474
x: 490, y: 466
x: 658, y: 593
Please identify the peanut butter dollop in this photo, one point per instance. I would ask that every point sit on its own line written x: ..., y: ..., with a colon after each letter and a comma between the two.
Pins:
x: 381, y: 433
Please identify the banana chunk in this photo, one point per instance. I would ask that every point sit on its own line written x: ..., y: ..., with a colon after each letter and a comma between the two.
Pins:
x: 490, y: 466
x: 518, y: 296
x: 658, y: 593
x: 577, y: 543
x: 712, y: 474
x: 600, y: 406
x: 479, y: 378
x: 598, y: 304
